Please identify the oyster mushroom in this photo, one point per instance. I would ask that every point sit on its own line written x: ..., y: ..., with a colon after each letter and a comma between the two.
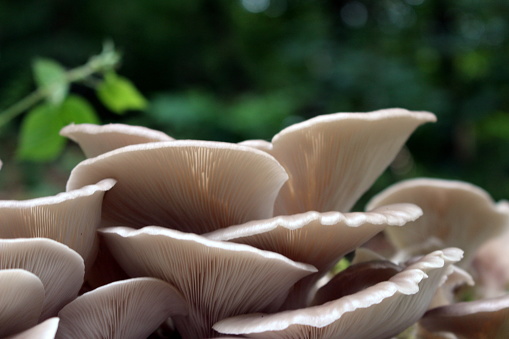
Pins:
x: 59, y: 268
x: 379, y: 311
x: 131, y: 308
x: 455, y: 214
x: 486, y: 318
x: 70, y: 218
x: 98, y: 139
x: 319, y: 239
x: 22, y: 296
x: 192, y: 186
x: 333, y: 159
x: 217, y: 279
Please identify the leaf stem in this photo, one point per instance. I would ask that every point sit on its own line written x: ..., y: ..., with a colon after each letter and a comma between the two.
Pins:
x: 106, y: 60
x: 21, y: 106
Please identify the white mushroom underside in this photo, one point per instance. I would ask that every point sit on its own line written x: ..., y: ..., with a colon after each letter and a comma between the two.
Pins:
x: 218, y: 279
x: 379, y: 311
x: 194, y: 186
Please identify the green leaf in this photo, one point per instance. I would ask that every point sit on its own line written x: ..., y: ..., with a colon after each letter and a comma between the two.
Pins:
x: 119, y: 94
x: 77, y: 110
x: 40, y: 139
x: 50, y: 76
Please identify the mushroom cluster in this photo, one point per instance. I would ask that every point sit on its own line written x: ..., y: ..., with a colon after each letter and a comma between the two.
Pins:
x: 156, y: 237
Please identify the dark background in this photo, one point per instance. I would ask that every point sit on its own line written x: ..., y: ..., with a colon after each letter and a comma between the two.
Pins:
x: 234, y: 70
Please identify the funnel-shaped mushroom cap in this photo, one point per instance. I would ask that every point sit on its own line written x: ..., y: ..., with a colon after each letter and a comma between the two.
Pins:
x: 22, y: 295
x: 193, y: 186
x: 95, y: 139
x: 487, y: 318
x: 319, y: 239
x: 333, y: 159
x: 131, y: 308
x: 70, y: 218
x: 217, y: 279
x: 59, y: 268
x: 455, y: 214
x: 380, y: 311
x: 45, y: 330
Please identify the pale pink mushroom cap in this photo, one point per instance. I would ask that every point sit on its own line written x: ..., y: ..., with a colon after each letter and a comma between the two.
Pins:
x: 98, y: 139
x: 319, y: 239
x: 333, y: 159
x: 217, y: 279
x: 132, y: 308
x: 193, y: 186
x: 70, y: 218
x: 486, y: 318
x: 380, y: 311
x: 455, y: 214
x: 491, y: 265
x: 60, y: 269
x: 21, y: 299
x: 45, y: 330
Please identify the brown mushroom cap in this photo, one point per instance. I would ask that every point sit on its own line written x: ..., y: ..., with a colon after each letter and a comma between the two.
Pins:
x: 380, y: 311
x: 486, y: 318
x: 59, y: 268
x: 319, y: 239
x: 356, y: 278
x: 194, y: 186
x: 70, y: 218
x: 96, y: 139
x: 333, y: 159
x: 217, y: 279
x: 45, y: 330
x: 455, y: 214
x: 131, y: 308
x: 22, y: 296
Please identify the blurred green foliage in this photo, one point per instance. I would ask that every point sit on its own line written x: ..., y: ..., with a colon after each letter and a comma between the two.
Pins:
x: 234, y: 70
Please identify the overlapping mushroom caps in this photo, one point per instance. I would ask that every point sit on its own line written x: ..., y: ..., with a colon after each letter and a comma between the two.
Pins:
x: 95, y: 139
x: 217, y: 279
x: 21, y: 302
x: 319, y: 239
x: 487, y: 318
x: 333, y: 159
x: 59, y: 268
x: 132, y: 308
x: 193, y: 186
x: 200, y: 187
x: 70, y: 218
x: 378, y: 311
x: 455, y: 214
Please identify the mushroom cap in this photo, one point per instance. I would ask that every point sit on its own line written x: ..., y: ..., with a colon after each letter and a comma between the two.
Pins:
x: 319, y: 239
x: 193, y: 186
x: 217, y: 279
x: 491, y: 265
x: 59, y: 268
x: 45, y: 330
x: 380, y: 311
x: 131, y: 308
x: 455, y: 214
x: 70, y: 218
x: 22, y: 296
x: 98, y: 139
x: 486, y: 318
x: 356, y: 278
x: 333, y: 159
